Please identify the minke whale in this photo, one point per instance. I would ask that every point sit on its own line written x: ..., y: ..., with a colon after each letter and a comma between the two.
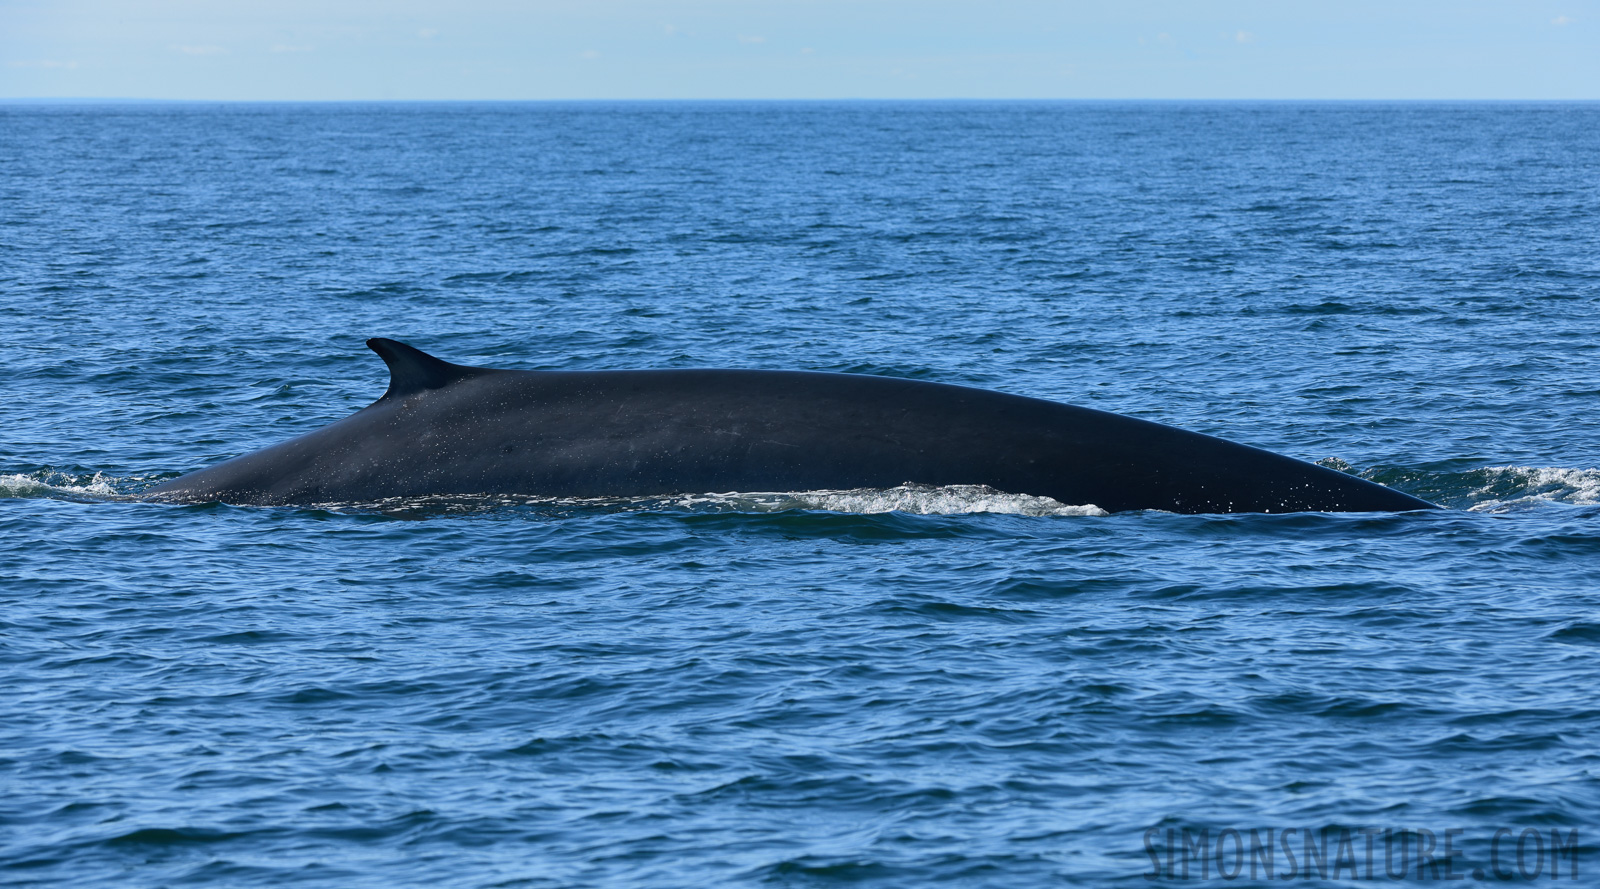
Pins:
x: 447, y: 429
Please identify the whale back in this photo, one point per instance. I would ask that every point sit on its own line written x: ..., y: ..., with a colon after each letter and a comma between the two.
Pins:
x: 447, y: 429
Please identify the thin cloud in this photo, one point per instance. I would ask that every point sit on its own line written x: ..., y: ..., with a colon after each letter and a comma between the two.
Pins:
x: 1562, y: 21
x: 42, y: 63
x: 1244, y: 37
x: 751, y: 38
x: 284, y: 47
x: 200, y: 50
x: 428, y: 33
x: 589, y: 54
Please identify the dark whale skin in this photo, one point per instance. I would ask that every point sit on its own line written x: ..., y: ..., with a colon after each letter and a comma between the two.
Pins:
x: 444, y: 429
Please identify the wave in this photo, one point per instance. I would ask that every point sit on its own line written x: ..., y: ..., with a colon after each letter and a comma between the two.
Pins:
x: 1500, y: 489
x: 912, y: 499
x: 1490, y: 489
x: 49, y: 484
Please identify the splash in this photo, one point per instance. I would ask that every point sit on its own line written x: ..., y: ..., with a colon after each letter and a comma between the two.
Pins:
x: 1500, y: 489
x: 47, y: 484
x: 912, y: 499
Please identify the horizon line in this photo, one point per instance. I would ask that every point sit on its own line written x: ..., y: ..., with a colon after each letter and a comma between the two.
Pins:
x: 137, y: 100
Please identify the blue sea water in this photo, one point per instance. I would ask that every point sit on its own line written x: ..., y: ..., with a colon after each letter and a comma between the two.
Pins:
x: 900, y: 688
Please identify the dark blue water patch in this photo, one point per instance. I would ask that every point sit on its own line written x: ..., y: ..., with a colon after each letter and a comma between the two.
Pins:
x: 880, y: 688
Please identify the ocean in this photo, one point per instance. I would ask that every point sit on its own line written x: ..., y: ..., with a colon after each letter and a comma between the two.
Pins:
x: 907, y: 687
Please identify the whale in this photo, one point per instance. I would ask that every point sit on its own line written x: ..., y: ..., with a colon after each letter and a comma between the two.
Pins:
x: 445, y: 429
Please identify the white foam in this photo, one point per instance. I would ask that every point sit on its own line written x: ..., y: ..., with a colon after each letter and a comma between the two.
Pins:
x: 913, y: 499
x: 57, y: 486
x: 1510, y: 488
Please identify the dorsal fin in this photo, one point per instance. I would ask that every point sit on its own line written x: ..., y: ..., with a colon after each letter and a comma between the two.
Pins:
x: 412, y: 370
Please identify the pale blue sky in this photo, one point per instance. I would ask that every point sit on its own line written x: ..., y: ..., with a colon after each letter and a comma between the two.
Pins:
x: 616, y: 49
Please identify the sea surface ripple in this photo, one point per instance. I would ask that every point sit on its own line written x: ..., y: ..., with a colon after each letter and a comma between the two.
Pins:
x: 911, y: 687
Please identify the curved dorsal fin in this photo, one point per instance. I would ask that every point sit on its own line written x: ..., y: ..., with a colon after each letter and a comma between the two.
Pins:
x: 412, y: 370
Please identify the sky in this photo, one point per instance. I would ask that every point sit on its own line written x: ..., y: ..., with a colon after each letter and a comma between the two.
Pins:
x: 316, y: 50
